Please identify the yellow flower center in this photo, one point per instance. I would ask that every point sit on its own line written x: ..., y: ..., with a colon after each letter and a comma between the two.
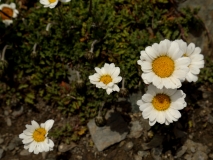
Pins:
x: 106, y: 79
x: 39, y: 134
x: 52, y: 1
x: 161, y: 102
x: 7, y: 13
x: 163, y: 66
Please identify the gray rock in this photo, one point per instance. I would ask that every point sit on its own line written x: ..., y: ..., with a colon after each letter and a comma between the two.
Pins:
x: 189, y: 144
x: 203, y: 148
x: 145, y: 124
x: 128, y: 146
x: 16, y: 141
x: 192, y: 149
x: 205, y: 14
x: 155, y: 142
x: 187, y: 157
x: 136, y: 129
x: 24, y: 152
x: 156, y: 153
x: 181, y: 151
x: 199, y: 155
x: 210, y: 118
x: 115, y: 130
x: 137, y: 157
x: 1, y: 153
x: 18, y: 112
x: 133, y: 98
x: 64, y: 147
x: 143, y: 154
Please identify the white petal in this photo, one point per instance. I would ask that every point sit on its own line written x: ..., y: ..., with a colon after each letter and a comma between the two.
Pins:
x: 157, y: 81
x: 151, y: 52
x: 162, y: 48
x: 48, y: 124
x: 151, y: 123
x: 145, y: 57
x: 194, y: 69
x: 178, y: 94
x: 116, y: 72
x: 22, y: 136
x: 27, y: 146
x: 109, y: 90
x: 50, y: 143
x: 36, y: 151
x: 197, y: 50
x: 95, y: 77
x: 167, y: 83
x: 161, y: 117
x: 153, y: 115
x: 144, y: 106
x: 147, y: 111
x: 191, y: 77
x: 174, y: 51
x: 177, y: 105
x: 169, y: 92
x: 148, y: 76
x: 183, y: 61
x: 32, y: 146
x: 175, y: 113
x: 116, y: 88
x: 98, y: 70
x: 176, y: 82
x: 190, y: 49
x: 180, y: 74
x: 182, y: 45
x: 168, y: 116
x: 151, y: 90
x: 146, y: 66
x: 27, y: 140
x: 117, y: 79
x: 140, y: 102
x: 147, y: 97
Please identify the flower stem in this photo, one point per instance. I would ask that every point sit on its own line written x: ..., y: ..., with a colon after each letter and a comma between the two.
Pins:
x: 3, y: 52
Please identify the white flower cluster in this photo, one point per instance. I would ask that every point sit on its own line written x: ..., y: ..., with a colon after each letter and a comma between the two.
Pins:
x: 165, y: 66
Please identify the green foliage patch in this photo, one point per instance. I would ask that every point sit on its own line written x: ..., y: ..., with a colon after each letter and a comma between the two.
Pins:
x: 81, y: 35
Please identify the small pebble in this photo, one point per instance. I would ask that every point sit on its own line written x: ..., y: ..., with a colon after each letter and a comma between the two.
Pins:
x: 24, y: 152
x: 128, y: 146
x: 192, y: 149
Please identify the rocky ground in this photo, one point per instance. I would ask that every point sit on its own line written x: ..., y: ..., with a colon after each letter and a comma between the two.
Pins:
x: 126, y: 136
x: 129, y: 137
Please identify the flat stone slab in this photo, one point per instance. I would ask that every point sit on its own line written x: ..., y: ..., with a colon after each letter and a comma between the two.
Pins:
x: 115, y: 130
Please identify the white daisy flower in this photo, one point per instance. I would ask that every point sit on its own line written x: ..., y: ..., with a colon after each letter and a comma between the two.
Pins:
x: 107, y: 77
x: 35, y: 137
x: 49, y: 3
x: 197, y: 59
x: 162, y: 105
x: 163, y: 65
x: 10, y: 12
